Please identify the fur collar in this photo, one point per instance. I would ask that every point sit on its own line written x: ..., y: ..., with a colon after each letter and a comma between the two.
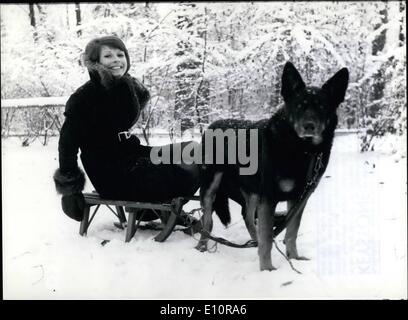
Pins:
x: 101, y: 74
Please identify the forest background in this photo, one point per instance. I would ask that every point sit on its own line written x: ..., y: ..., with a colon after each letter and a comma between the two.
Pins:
x: 206, y: 60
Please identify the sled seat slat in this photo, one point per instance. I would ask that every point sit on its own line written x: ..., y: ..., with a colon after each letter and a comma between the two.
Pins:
x: 94, y: 199
x: 169, y: 220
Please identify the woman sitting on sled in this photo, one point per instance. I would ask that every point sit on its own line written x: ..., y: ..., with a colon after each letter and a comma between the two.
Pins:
x: 97, y: 117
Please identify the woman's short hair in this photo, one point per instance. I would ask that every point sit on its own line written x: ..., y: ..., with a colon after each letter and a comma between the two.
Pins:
x: 93, y: 49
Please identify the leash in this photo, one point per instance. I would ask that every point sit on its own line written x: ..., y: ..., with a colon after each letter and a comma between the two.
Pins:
x: 314, y: 170
x: 287, y: 259
x: 191, y: 226
x: 293, y: 212
x: 310, y: 187
x: 249, y: 244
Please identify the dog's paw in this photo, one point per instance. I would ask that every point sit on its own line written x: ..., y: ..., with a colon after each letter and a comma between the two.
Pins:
x: 266, y: 265
x: 202, y: 247
x: 297, y: 257
x: 268, y: 268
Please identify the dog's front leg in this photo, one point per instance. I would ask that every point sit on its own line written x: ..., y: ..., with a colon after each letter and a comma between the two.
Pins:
x: 251, y: 204
x: 266, y: 210
x: 292, y: 233
x: 207, y: 199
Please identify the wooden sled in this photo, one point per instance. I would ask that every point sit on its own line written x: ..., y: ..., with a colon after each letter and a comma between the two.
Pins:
x: 168, y: 213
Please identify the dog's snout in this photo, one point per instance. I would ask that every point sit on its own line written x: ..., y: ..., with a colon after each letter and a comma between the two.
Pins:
x: 309, y: 127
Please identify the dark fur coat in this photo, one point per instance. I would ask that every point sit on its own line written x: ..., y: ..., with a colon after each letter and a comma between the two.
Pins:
x: 94, y: 115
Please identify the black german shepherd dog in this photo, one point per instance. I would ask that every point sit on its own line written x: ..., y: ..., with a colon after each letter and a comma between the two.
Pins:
x: 288, y: 145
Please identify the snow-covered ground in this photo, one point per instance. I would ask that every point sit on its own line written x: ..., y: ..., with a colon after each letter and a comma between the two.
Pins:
x: 354, y: 230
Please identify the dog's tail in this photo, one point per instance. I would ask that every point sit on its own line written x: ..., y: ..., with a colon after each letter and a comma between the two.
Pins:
x: 221, y: 207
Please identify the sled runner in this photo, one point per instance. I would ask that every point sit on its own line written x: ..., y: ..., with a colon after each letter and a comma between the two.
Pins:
x: 168, y: 213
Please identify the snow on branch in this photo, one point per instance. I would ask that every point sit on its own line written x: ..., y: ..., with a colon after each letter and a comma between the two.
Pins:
x: 34, y: 102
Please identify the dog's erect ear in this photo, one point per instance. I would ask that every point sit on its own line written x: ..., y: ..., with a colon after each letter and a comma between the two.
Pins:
x: 292, y: 82
x: 336, y: 87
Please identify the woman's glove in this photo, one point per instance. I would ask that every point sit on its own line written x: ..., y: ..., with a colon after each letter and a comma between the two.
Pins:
x: 73, y: 205
x: 70, y: 183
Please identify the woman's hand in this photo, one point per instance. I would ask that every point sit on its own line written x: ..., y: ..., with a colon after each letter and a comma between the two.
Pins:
x: 73, y: 205
x: 70, y: 185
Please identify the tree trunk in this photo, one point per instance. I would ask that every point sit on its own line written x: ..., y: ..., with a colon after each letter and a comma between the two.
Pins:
x: 402, y: 9
x: 377, y: 48
x: 185, y: 75
x: 67, y: 15
x: 203, y: 91
x: 78, y: 17
x: 32, y: 21
x: 393, y: 31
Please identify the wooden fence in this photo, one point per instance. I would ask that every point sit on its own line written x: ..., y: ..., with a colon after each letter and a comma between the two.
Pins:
x: 40, y: 118
x: 32, y: 118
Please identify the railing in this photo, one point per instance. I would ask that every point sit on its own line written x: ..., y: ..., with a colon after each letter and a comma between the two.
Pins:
x: 32, y: 118
x: 40, y: 118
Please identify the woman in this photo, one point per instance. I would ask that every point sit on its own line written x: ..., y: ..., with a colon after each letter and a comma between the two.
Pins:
x: 96, y: 117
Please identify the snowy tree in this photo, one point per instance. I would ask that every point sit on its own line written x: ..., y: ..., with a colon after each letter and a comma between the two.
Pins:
x: 78, y: 16
x: 188, y: 68
x: 205, y: 61
x: 384, y: 103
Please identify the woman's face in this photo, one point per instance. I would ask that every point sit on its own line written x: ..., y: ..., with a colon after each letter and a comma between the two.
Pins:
x: 113, y: 59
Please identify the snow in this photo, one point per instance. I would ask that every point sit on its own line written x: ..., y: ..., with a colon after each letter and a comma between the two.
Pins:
x: 354, y: 229
x: 34, y: 102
